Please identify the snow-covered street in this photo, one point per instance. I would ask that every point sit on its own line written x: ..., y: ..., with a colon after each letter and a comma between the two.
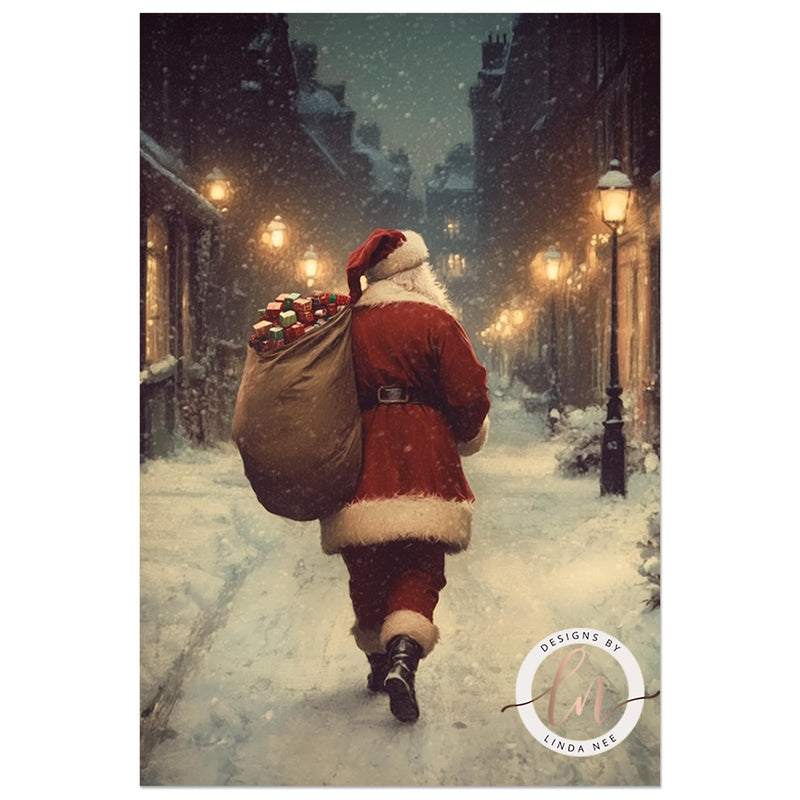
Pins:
x: 249, y: 676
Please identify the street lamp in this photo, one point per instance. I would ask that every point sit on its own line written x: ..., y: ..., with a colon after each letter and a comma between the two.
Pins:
x: 275, y: 234
x: 218, y: 189
x: 309, y: 265
x: 614, y: 189
x: 552, y: 260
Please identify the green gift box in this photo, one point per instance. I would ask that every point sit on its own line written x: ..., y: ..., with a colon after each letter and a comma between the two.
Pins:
x: 287, y: 318
x: 288, y: 302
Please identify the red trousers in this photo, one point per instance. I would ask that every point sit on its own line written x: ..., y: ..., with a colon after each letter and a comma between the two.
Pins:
x: 395, y: 576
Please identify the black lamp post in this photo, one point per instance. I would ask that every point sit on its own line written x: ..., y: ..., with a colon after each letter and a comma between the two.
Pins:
x: 553, y: 260
x: 615, y: 190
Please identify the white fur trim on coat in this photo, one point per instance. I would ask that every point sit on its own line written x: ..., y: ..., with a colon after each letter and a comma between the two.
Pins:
x: 413, y: 624
x: 411, y: 253
x: 385, y: 292
x: 404, y: 517
x: 474, y: 445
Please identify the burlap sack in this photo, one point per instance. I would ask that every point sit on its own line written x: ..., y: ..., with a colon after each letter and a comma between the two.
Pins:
x: 297, y: 423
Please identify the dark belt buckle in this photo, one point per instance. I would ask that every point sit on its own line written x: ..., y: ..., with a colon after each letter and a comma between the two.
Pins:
x: 392, y: 394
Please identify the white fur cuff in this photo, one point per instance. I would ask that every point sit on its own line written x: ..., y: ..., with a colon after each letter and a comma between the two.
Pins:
x: 474, y: 445
x: 413, y: 624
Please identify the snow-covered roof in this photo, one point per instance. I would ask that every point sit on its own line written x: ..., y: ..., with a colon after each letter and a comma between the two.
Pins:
x: 320, y: 101
x: 451, y: 181
x: 165, y: 157
x: 317, y: 140
x: 459, y: 182
x: 384, y: 178
x: 166, y: 165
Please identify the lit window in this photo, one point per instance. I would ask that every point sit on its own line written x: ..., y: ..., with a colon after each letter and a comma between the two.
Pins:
x: 452, y: 228
x: 156, y: 292
x: 456, y: 264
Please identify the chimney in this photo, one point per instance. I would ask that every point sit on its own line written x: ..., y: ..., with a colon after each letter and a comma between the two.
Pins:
x: 493, y: 52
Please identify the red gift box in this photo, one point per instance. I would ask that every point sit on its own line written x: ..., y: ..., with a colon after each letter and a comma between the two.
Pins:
x: 302, y: 305
x: 294, y: 332
x: 306, y: 317
x: 342, y: 299
x: 272, y: 310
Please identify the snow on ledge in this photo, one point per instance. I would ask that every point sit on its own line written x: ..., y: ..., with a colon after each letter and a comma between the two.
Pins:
x: 158, y: 370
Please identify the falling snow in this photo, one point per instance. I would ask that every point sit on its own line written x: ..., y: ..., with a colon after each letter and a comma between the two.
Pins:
x: 277, y: 692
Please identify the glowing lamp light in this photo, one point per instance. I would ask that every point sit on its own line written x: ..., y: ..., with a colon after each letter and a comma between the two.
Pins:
x: 276, y: 233
x: 309, y: 265
x: 218, y: 188
x: 614, y: 189
x: 552, y: 259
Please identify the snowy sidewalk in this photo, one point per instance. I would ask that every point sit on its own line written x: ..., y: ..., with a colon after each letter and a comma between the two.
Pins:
x: 247, y: 653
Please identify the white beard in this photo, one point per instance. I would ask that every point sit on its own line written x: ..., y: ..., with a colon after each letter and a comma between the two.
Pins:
x: 418, y: 284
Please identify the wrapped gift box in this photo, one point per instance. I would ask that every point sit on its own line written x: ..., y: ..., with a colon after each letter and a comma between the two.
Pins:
x: 272, y: 310
x: 289, y: 300
x: 306, y: 317
x: 292, y: 315
x: 287, y: 318
x: 294, y: 332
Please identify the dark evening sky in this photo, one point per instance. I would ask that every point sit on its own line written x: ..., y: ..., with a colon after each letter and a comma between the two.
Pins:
x: 410, y: 73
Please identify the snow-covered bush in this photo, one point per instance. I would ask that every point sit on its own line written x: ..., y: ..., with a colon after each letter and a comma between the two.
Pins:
x: 581, y: 431
x: 651, y: 559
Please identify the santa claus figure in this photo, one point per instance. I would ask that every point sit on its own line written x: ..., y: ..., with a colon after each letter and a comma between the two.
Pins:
x: 425, y: 402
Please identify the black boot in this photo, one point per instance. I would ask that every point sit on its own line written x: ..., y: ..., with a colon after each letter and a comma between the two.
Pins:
x: 380, y: 666
x: 403, y: 655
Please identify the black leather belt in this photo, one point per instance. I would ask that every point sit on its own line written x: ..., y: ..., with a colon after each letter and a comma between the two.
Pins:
x: 397, y: 395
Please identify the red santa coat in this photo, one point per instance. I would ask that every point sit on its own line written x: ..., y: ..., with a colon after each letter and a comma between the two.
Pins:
x: 412, y: 484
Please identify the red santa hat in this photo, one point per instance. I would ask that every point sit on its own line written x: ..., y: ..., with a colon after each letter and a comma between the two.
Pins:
x: 384, y: 253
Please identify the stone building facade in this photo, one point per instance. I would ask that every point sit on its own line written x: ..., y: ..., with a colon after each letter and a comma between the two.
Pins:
x: 554, y: 103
